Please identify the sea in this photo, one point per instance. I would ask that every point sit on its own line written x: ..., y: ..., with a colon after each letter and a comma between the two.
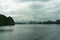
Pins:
x: 30, y: 32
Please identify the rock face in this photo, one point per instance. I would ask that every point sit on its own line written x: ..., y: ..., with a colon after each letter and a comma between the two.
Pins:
x: 6, y: 20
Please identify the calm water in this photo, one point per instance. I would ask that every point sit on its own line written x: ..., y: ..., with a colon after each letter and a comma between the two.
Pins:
x: 30, y: 32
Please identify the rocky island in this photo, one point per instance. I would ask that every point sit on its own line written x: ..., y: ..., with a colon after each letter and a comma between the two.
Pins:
x: 6, y: 20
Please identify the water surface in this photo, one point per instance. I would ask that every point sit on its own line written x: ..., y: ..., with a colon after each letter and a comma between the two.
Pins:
x: 30, y: 32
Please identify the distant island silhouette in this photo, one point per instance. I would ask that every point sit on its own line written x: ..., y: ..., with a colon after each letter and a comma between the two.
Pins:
x: 44, y: 22
x: 6, y: 20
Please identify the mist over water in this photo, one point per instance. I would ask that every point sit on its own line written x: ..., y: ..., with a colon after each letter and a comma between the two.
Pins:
x: 30, y: 32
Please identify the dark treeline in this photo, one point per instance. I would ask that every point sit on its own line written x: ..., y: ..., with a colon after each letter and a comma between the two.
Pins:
x: 44, y: 22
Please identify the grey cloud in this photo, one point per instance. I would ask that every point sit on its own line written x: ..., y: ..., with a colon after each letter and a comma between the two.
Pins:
x: 31, y: 0
x: 36, y: 7
x: 34, y: 11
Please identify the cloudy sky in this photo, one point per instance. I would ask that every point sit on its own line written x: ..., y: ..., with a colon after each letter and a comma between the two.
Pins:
x: 31, y: 10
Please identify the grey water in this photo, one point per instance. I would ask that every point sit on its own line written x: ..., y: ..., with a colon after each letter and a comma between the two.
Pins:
x: 30, y: 32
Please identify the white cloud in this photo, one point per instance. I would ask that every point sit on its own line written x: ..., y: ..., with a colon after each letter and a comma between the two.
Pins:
x: 30, y: 9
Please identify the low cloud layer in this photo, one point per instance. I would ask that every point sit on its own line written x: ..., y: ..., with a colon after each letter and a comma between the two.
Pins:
x: 31, y: 0
x: 31, y: 10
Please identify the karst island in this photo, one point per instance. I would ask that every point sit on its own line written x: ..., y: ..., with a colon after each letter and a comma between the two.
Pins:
x: 4, y: 21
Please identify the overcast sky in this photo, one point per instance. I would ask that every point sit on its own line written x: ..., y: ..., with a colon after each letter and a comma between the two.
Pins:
x: 31, y: 10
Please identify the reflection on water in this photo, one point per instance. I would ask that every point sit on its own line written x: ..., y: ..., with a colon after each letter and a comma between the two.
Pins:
x: 30, y: 32
x: 6, y: 30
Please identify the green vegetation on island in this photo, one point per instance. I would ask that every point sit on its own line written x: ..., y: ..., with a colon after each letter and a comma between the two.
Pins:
x: 6, y: 20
